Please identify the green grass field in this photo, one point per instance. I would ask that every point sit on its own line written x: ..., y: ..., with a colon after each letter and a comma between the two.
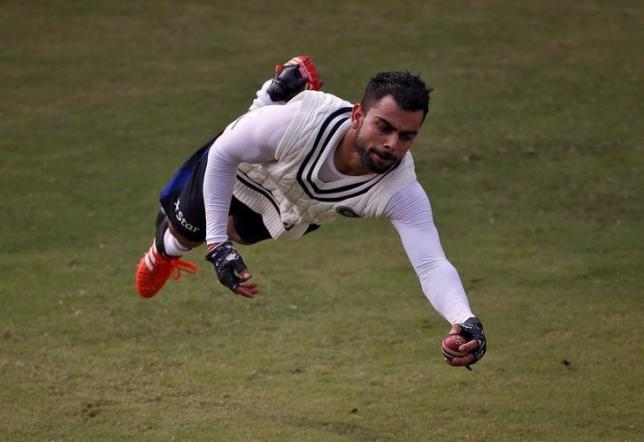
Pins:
x: 533, y: 158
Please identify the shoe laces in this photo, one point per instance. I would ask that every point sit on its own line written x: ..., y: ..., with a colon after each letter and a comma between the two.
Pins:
x: 180, y: 267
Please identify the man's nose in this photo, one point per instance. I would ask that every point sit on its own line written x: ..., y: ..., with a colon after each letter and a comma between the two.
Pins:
x: 391, y: 142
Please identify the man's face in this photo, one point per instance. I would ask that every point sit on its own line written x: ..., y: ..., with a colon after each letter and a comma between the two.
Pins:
x: 384, y: 133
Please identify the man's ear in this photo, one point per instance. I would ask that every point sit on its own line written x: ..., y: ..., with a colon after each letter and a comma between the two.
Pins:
x: 357, y: 114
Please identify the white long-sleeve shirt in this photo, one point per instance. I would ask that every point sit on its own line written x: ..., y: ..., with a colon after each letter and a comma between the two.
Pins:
x: 254, y: 138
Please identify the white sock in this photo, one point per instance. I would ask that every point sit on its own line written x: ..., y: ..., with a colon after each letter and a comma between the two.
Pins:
x: 172, y: 246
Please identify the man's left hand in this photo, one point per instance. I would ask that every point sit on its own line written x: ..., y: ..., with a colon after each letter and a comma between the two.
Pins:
x: 231, y: 269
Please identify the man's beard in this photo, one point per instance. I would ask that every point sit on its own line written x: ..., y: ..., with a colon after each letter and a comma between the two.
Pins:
x: 367, y: 155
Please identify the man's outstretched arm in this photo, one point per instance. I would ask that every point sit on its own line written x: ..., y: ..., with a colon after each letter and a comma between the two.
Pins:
x: 410, y: 213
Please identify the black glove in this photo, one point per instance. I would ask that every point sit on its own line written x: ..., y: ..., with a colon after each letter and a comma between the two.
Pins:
x: 227, y: 261
x: 473, y: 329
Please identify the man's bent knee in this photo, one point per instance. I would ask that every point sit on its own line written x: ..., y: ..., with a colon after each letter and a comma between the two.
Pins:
x: 233, y: 235
x: 182, y: 239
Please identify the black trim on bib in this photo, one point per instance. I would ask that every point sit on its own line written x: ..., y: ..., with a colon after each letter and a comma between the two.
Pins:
x: 305, y: 172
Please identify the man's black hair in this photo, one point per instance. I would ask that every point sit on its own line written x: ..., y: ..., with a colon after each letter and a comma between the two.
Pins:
x: 408, y: 90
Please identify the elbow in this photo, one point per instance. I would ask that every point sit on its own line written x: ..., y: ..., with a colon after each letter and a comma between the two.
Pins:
x: 434, y: 264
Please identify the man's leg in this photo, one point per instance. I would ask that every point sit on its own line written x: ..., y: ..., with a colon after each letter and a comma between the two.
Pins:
x: 180, y: 226
x: 162, y: 258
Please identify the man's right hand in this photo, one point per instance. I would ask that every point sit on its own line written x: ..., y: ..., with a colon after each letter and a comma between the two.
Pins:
x: 476, y: 345
x: 231, y: 269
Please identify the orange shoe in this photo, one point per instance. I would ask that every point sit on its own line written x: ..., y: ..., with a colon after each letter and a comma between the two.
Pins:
x: 294, y: 76
x: 307, y: 69
x: 154, y: 269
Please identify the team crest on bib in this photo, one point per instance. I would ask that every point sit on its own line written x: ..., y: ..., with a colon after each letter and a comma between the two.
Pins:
x: 347, y: 211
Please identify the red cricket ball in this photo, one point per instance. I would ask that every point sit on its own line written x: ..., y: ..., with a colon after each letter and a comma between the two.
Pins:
x: 450, y: 346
